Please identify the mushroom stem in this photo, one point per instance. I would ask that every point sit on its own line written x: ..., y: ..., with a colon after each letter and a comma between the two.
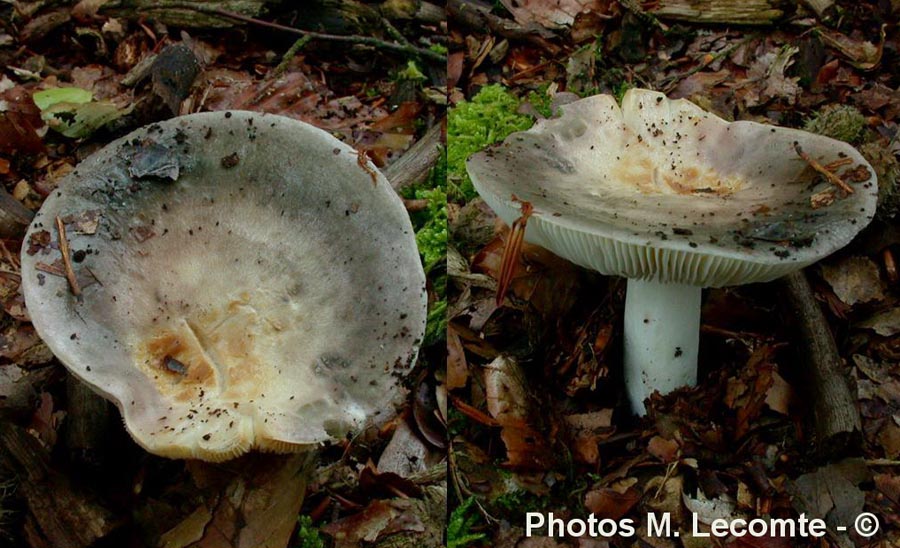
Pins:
x: 662, y: 333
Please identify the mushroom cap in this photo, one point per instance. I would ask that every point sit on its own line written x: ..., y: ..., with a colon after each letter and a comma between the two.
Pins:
x: 662, y: 190
x: 246, y: 284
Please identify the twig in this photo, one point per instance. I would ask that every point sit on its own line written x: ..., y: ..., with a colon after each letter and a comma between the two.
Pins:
x: 67, y: 261
x: 413, y: 167
x: 349, y: 38
x: 512, y: 251
x: 394, y: 33
x: 838, y: 163
x: 831, y: 177
x: 290, y: 54
x: 836, y: 419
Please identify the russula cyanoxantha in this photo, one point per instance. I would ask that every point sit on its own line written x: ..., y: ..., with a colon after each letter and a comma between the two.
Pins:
x: 245, y: 283
x: 675, y: 199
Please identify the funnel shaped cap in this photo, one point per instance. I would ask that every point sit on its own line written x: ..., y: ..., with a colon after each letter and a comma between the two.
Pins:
x: 662, y: 190
x: 246, y: 284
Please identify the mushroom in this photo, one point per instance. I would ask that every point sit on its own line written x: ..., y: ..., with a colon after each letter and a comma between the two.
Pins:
x: 675, y: 199
x: 238, y: 281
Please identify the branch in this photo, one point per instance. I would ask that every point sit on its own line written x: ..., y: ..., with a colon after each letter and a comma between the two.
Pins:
x: 413, y: 167
x: 66, y: 257
x: 822, y: 170
x: 837, y: 422
x: 350, y: 38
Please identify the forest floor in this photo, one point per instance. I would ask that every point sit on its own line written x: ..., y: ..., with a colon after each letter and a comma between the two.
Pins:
x: 538, y: 419
x: 75, y: 77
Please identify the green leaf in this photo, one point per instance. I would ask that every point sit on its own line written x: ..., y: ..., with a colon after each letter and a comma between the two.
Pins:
x: 81, y: 120
x: 53, y: 96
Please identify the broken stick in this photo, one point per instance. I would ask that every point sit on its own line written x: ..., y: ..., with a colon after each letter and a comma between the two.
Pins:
x: 413, y: 167
x: 831, y: 177
x: 836, y: 419
x: 66, y: 258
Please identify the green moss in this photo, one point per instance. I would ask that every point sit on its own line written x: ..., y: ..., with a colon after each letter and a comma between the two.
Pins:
x: 518, y: 502
x: 432, y: 234
x: 411, y: 73
x: 842, y: 122
x: 308, y: 535
x: 472, y: 125
x: 541, y: 100
x: 459, y: 526
x: 436, y: 326
x: 620, y: 89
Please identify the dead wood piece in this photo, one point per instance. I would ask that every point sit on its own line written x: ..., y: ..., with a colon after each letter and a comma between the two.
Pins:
x: 749, y: 12
x: 836, y: 419
x: 176, y: 14
x: 338, y: 16
x: 211, y: 9
x: 413, y: 167
x: 87, y: 422
x: 416, y: 10
x: 14, y: 217
x: 61, y: 515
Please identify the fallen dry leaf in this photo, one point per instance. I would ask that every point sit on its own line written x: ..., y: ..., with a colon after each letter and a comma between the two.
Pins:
x: 861, y: 53
x: 20, y: 120
x: 663, y: 449
x: 546, y: 281
x: 457, y: 369
x: 552, y: 14
x: 886, y: 323
x: 379, y: 518
x: 587, y: 431
x: 613, y: 502
x: 386, y: 484
x: 405, y: 454
x: 854, y: 280
x: 250, y: 504
x: 768, y: 81
x: 832, y: 493
x: 779, y: 395
x: 509, y: 404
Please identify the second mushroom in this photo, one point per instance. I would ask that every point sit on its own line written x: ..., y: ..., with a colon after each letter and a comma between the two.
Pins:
x: 675, y: 199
